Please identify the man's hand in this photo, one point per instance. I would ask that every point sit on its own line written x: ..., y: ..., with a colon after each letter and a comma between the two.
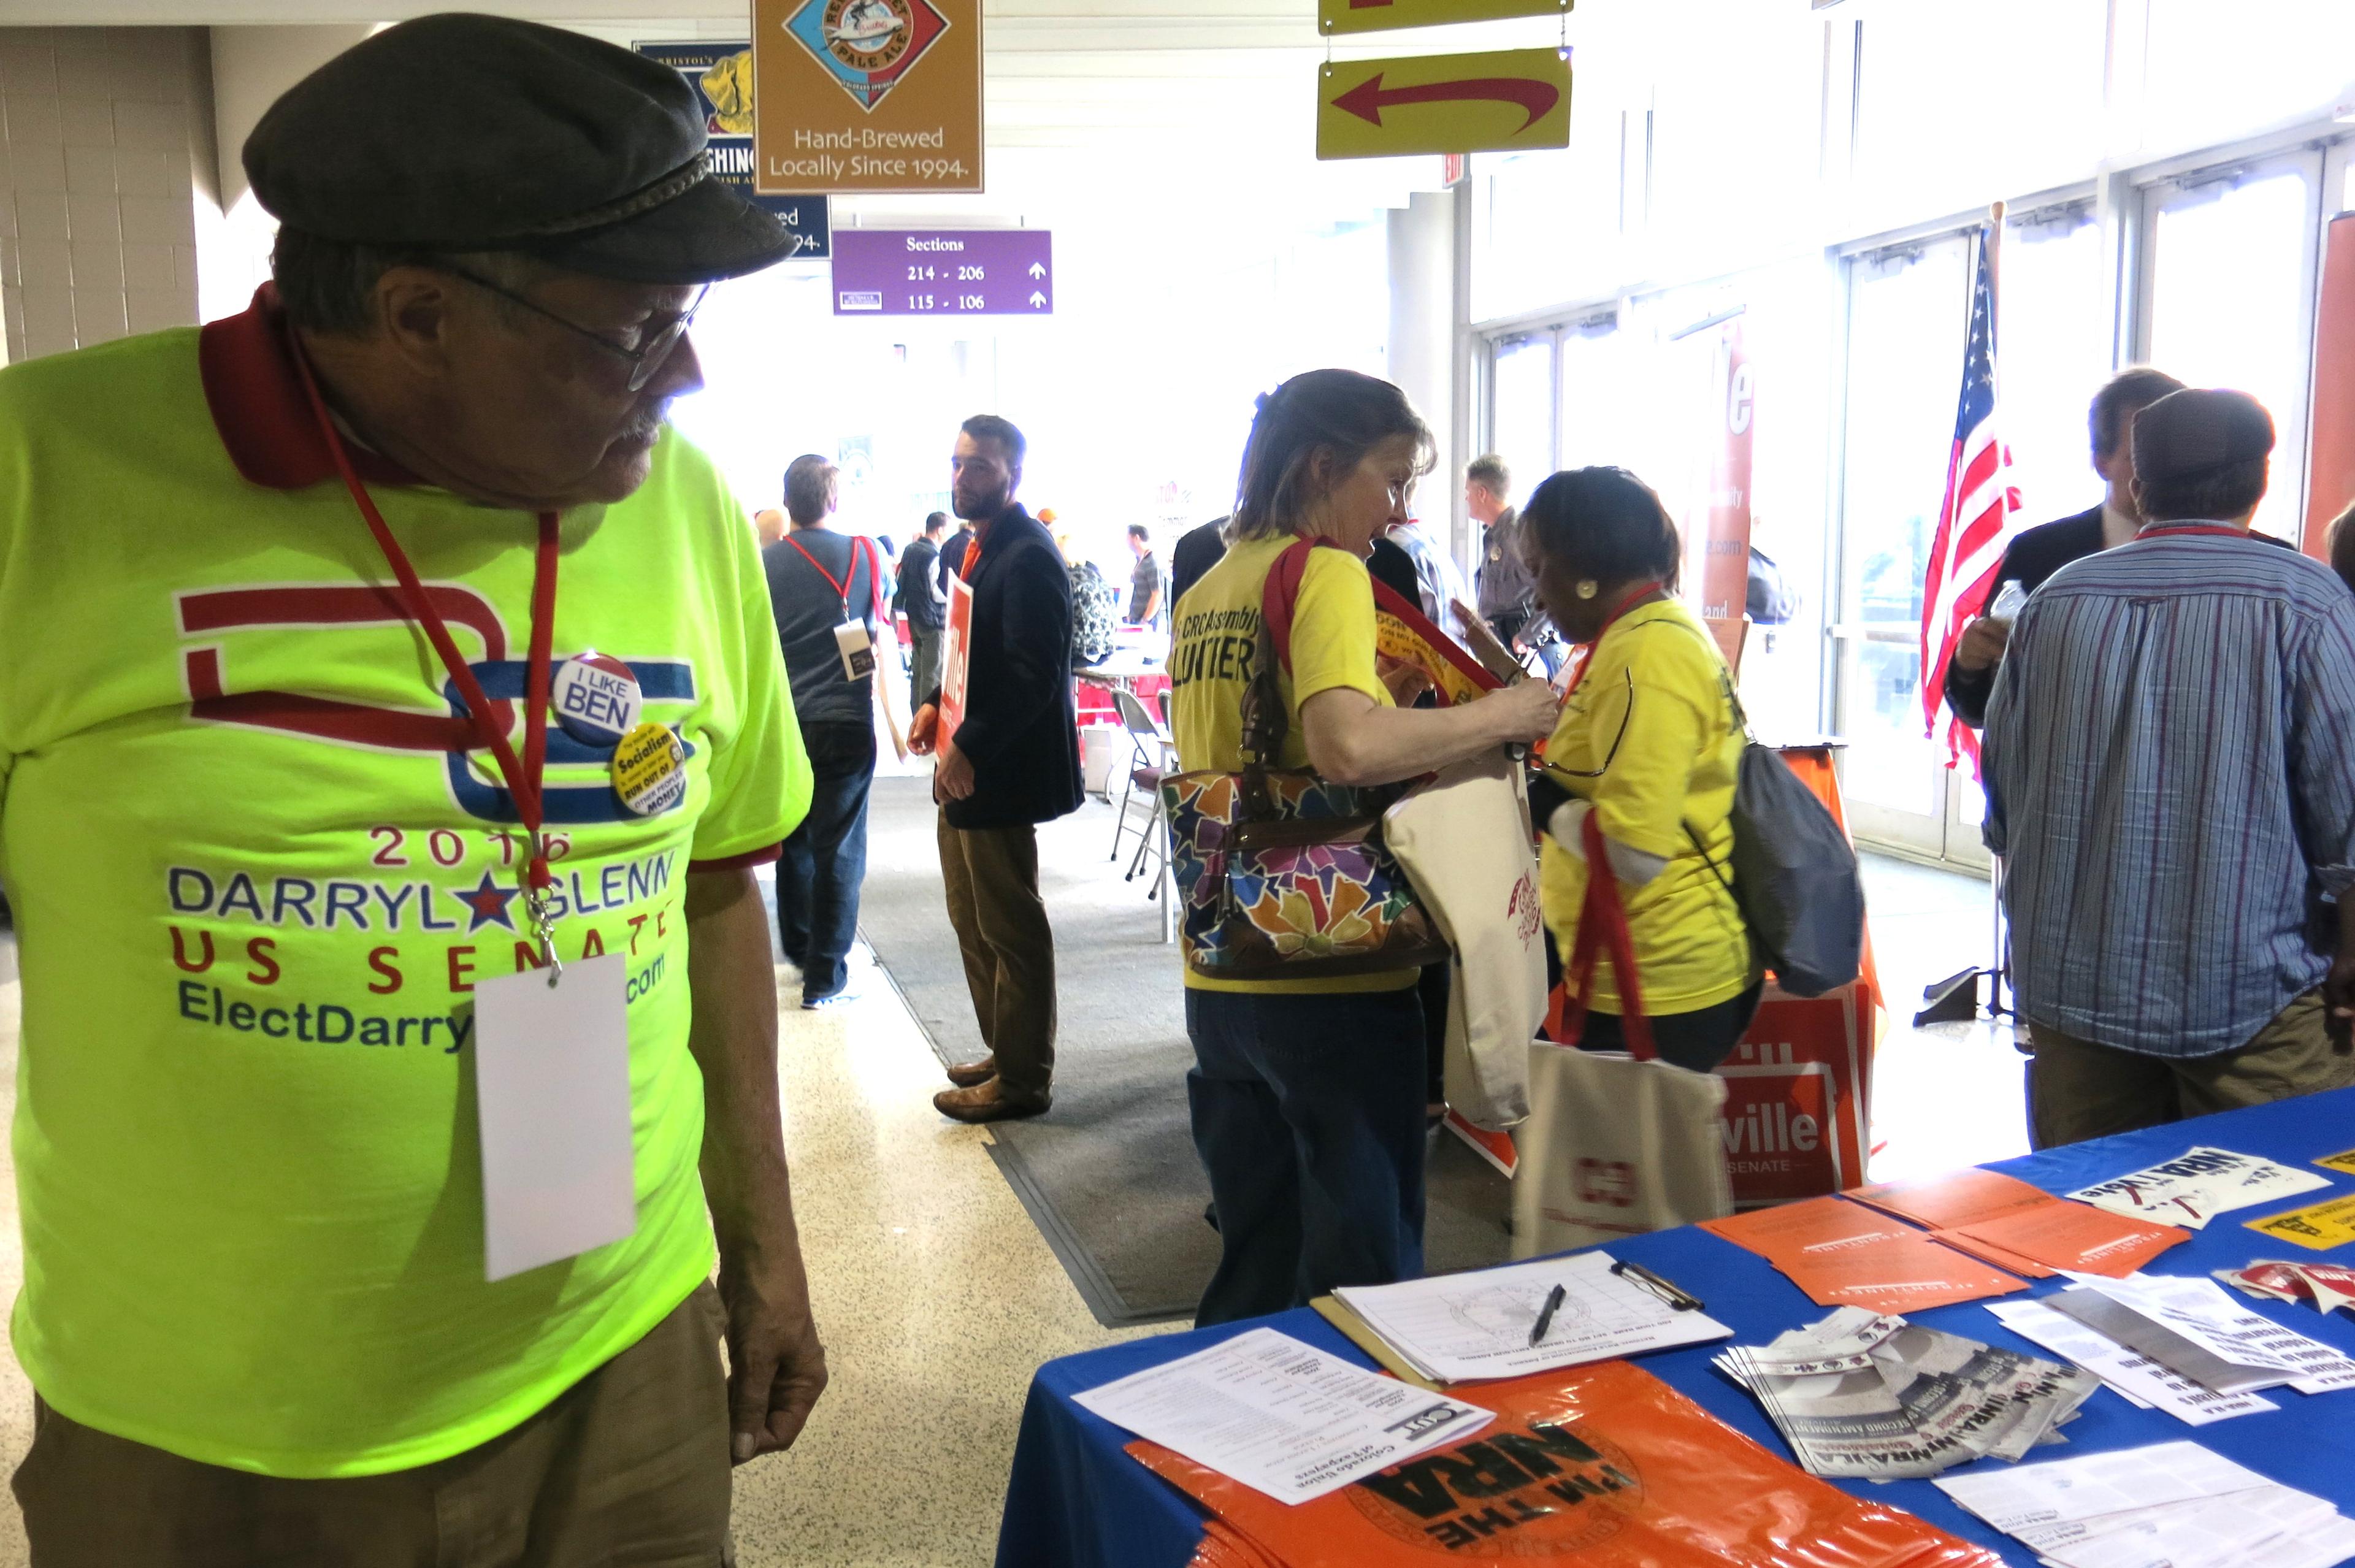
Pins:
x: 776, y: 1368
x: 1982, y: 643
x: 924, y: 729
x: 1524, y: 712
x: 1404, y: 681
x: 952, y: 776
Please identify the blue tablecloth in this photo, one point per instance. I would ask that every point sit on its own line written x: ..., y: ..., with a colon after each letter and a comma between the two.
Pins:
x: 1076, y: 1500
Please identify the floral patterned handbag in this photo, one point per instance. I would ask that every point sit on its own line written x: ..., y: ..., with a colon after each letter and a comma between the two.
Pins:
x: 1282, y: 874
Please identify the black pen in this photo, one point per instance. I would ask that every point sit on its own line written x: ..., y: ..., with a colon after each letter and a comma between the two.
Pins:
x: 1545, y: 1314
x: 1668, y: 1290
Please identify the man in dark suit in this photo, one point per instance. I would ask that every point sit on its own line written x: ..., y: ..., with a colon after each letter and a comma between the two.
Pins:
x: 2041, y: 551
x: 1011, y: 763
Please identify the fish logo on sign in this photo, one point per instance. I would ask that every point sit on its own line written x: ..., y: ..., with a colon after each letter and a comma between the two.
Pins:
x: 867, y: 45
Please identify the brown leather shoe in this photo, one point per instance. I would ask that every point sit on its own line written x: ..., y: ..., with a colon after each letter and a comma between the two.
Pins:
x: 965, y: 1074
x: 982, y: 1103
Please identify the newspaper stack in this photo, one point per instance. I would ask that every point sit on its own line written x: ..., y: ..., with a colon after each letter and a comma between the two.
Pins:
x: 2172, y: 1506
x: 1870, y: 1394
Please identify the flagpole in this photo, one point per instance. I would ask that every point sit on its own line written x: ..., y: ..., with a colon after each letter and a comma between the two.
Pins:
x: 1992, y: 238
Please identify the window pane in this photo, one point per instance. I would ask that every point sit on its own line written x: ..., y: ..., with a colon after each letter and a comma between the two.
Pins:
x: 1597, y: 404
x: 2052, y: 353
x: 1521, y: 423
x: 2229, y: 308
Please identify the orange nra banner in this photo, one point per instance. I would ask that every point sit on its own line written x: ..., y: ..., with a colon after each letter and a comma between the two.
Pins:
x: 2330, y: 449
x: 866, y: 95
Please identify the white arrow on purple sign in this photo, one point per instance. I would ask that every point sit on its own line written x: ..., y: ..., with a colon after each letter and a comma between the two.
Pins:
x: 938, y: 272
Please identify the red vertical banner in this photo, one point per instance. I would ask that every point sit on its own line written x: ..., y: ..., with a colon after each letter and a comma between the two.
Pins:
x: 2330, y: 445
x: 1717, y: 563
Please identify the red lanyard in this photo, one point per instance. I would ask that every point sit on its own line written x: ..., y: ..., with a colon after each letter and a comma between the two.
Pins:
x: 850, y: 576
x: 522, y: 776
x: 1625, y: 605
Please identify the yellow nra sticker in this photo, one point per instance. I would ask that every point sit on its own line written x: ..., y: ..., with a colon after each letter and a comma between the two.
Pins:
x: 650, y: 770
x: 2343, y: 1160
x: 2322, y: 1227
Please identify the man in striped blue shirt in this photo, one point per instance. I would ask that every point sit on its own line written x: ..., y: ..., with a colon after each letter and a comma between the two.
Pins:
x: 2170, y: 768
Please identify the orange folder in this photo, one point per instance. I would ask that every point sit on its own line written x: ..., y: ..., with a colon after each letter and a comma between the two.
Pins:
x: 1952, y: 1199
x: 1908, y: 1273
x: 2078, y: 1237
x: 1796, y: 1232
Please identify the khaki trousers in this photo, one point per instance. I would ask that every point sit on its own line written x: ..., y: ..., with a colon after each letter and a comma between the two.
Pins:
x: 2077, y: 1090
x: 628, y: 1468
x: 992, y: 877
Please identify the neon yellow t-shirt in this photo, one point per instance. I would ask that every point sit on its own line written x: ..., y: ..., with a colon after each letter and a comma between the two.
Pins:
x: 1649, y: 738
x: 254, y: 884
x: 1211, y: 662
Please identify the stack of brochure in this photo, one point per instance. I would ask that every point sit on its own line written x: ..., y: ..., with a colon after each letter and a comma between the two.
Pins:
x: 2175, y: 1503
x: 1864, y: 1393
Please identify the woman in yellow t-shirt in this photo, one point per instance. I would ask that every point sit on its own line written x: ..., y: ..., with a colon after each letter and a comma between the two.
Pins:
x: 1647, y: 742
x: 1307, y: 1096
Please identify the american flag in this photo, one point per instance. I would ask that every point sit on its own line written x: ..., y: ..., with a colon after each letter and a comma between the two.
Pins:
x: 1974, y: 520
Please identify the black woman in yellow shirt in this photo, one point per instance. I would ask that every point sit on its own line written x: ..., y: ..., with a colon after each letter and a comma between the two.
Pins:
x: 1307, y: 1096
x: 1648, y: 742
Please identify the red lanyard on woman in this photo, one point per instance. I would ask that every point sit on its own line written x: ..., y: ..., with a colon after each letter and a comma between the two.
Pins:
x: 522, y: 776
x: 1626, y: 603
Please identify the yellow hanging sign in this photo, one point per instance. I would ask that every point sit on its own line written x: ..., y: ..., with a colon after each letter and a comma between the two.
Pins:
x: 1379, y: 16
x: 1513, y: 100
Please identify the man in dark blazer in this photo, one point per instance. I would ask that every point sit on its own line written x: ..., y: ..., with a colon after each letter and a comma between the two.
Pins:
x: 2041, y: 551
x: 1012, y: 763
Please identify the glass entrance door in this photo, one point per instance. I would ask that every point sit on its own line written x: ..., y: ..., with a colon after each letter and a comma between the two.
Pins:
x: 1904, y: 362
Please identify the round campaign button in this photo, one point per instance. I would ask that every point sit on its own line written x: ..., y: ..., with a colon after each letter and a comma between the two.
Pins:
x: 596, y: 697
x: 650, y: 770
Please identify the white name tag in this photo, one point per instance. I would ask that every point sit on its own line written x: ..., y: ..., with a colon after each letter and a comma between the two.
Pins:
x: 857, y: 651
x: 552, y: 1083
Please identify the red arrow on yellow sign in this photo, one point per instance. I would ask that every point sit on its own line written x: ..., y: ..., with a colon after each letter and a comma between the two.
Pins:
x: 1512, y: 99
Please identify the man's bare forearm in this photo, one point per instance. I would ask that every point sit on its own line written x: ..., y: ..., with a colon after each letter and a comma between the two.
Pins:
x: 733, y: 985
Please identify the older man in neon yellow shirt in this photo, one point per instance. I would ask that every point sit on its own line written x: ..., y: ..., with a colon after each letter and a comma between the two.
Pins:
x: 263, y: 863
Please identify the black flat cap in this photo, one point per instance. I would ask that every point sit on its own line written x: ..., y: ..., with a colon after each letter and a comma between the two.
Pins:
x: 2199, y: 429
x: 468, y: 132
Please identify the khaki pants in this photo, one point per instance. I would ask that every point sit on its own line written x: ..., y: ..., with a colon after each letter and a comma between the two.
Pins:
x: 991, y: 876
x: 628, y: 1468
x: 2077, y: 1090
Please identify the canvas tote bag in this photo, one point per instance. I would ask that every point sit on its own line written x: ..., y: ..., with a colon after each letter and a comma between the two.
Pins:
x: 1617, y: 1143
x: 1464, y: 841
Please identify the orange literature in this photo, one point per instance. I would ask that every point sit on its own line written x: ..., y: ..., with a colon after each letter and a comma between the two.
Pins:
x: 2079, y: 1237
x: 1986, y: 1251
x: 1796, y: 1232
x: 1908, y: 1273
x: 1954, y: 1199
x: 1605, y: 1466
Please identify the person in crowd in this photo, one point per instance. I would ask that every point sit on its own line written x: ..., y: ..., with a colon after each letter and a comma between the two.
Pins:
x: 1649, y: 744
x: 820, y: 580
x: 2167, y: 773
x: 1095, y: 605
x: 1437, y: 577
x: 1148, y: 590
x: 769, y: 525
x: 254, y: 1312
x: 1012, y: 763
x: 925, y: 602
x: 1507, y: 593
x: 1198, y: 549
x: 1307, y: 1096
x: 2338, y: 543
x: 952, y: 554
x: 2039, y: 552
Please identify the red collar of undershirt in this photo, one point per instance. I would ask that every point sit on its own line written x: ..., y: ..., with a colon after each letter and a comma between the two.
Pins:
x: 255, y: 393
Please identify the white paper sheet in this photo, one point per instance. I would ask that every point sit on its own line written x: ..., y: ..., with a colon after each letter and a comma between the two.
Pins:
x: 2133, y: 1376
x: 2197, y: 1185
x: 2063, y: 1491
x: 1283, y: 1417
x: 1459, y: 1325
x: 552, y: 1086
x: 2205, y: 1533
x: 2202, y: 1311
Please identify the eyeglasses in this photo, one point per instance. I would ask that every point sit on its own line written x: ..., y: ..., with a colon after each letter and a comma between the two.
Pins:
x: 644, y: 360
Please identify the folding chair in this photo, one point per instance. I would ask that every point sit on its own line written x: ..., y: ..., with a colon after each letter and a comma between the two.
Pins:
x: 1155, y: 754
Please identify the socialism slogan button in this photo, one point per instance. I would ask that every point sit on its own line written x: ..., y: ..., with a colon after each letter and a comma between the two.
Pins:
x: 650, y: 770
x: 596, y: 697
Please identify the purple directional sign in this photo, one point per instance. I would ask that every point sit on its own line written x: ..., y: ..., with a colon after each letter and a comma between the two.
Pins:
x: 943, y: 272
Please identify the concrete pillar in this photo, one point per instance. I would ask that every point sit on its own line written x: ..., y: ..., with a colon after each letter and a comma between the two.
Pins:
x: 1422, y: 347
